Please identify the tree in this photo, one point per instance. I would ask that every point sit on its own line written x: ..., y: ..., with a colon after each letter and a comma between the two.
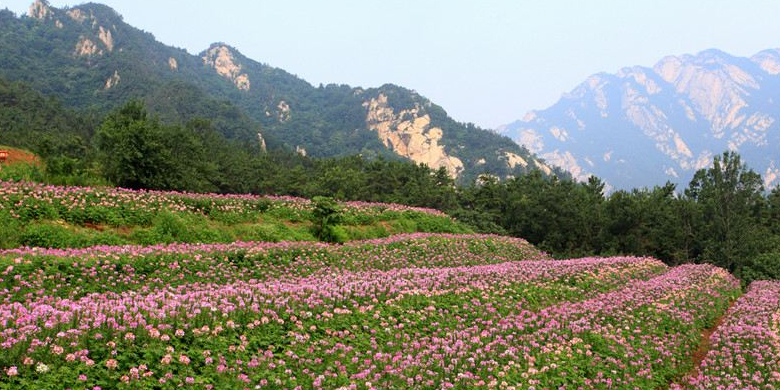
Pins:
x: 131, y: 149
x: 138, y: 152
x: 730, y: 199
x: 326, y: 216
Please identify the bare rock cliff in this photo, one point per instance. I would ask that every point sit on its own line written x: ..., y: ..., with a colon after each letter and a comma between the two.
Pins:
x: 410, y: 135
x: 221, y: 58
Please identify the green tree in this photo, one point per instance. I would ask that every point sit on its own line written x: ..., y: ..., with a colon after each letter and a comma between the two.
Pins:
x: 326, y: 217
x: 729, y: 196
x: 132, y: 150
x: 138, y: 152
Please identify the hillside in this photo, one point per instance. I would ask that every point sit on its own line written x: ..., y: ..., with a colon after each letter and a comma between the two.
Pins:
x: 412, y: 311
x: 643, y: 126
x: 198, y: 305
x: 89, y: 58
x: 35, y: 215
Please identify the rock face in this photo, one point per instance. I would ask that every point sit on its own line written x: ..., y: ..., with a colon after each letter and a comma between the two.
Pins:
x: 77, y: 15
x: 410, y: 135
x: 261, y: 142
x: 40, y: 10
x: 221, y: 58
x: 643, y: 126
x: 105, y: 36
x: 85, y: 47
x: 283, y: 111
x: 173, y: 64
x: 113, y: 80
x: 514, y: 160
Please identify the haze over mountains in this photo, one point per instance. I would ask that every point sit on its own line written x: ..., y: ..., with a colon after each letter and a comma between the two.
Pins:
x: 643, y: 126
x: 90, y: 59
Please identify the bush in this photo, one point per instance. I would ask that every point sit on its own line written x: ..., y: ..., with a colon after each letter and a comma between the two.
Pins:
x: 50, y: 236
x: 326, y: 216
x: 22, y: 172
x: 762, y: 267
x: 10, y: 231
x: 169, y: 227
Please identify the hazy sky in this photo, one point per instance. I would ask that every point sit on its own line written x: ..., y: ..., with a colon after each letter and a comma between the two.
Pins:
x: 486, y: 62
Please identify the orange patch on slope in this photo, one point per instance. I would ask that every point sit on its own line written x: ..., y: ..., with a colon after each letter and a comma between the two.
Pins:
x: 16, y: 156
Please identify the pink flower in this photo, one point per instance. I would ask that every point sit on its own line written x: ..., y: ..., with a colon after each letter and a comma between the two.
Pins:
x: 12, y: 371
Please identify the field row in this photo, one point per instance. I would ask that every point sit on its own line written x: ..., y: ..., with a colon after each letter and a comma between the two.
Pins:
x: 407, y: 312
x: 73, y: 273
x: 117, y: 206
x: 745, y: 351
x: 36, y: 215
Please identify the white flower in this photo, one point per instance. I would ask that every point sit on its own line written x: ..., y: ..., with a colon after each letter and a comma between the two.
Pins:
x: 41, y: 368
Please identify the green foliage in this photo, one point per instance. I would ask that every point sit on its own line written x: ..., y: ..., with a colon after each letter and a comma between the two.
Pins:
x: 22, y: 171
x: 60, y: 235
x: 765, y: 266
x: 137, y: 152
x: 273, y: 231
x: 326, y: 216
x: 723, y: 218
x: 730, y: 200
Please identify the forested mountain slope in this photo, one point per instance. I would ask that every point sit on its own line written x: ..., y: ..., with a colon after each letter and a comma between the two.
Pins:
x: 91, y: 59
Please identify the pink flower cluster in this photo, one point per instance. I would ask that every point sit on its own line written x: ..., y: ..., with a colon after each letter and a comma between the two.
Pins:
x: 28, y: 200
x: 582, y: 323
x: 745, y: 349
x: 72, y: 273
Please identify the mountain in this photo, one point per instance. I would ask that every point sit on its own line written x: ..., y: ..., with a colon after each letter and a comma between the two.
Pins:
x: 645, y: 126
x: 88, y: 57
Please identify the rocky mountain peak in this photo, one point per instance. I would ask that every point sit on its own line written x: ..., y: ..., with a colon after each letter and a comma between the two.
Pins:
x: 40, y: 9
x: 643, y: 126
x: 768, y: 61
x: 330, y: 120
x: 222, y: 59
x: 409, y: 133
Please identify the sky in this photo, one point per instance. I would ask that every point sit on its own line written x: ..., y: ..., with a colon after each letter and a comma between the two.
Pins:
x: 487, y: 62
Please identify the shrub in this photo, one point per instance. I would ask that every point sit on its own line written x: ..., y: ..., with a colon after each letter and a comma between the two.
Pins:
x: 326, y: 216
x: 47, y: 235
x: 762, y: 267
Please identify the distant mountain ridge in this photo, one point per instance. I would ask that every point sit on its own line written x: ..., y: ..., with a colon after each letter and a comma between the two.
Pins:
x: 88, y: 57
x: 643, y: 126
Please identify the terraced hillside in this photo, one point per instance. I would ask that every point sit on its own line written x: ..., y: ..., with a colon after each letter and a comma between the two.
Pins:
x: 435, y: 309
x: 410, y: 311
x: 59, y: 217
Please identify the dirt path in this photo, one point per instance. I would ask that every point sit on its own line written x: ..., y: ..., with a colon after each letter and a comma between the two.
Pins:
x: 704, y: 346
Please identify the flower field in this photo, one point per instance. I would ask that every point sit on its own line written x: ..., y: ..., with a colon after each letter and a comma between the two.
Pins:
x: 29, y: 201
x: 745, y: 350
x: 408, y: 311
x: 424, y: 311
x: 38, y: 215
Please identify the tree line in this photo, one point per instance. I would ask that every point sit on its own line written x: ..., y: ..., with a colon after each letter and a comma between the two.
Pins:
x: 725, y: 216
